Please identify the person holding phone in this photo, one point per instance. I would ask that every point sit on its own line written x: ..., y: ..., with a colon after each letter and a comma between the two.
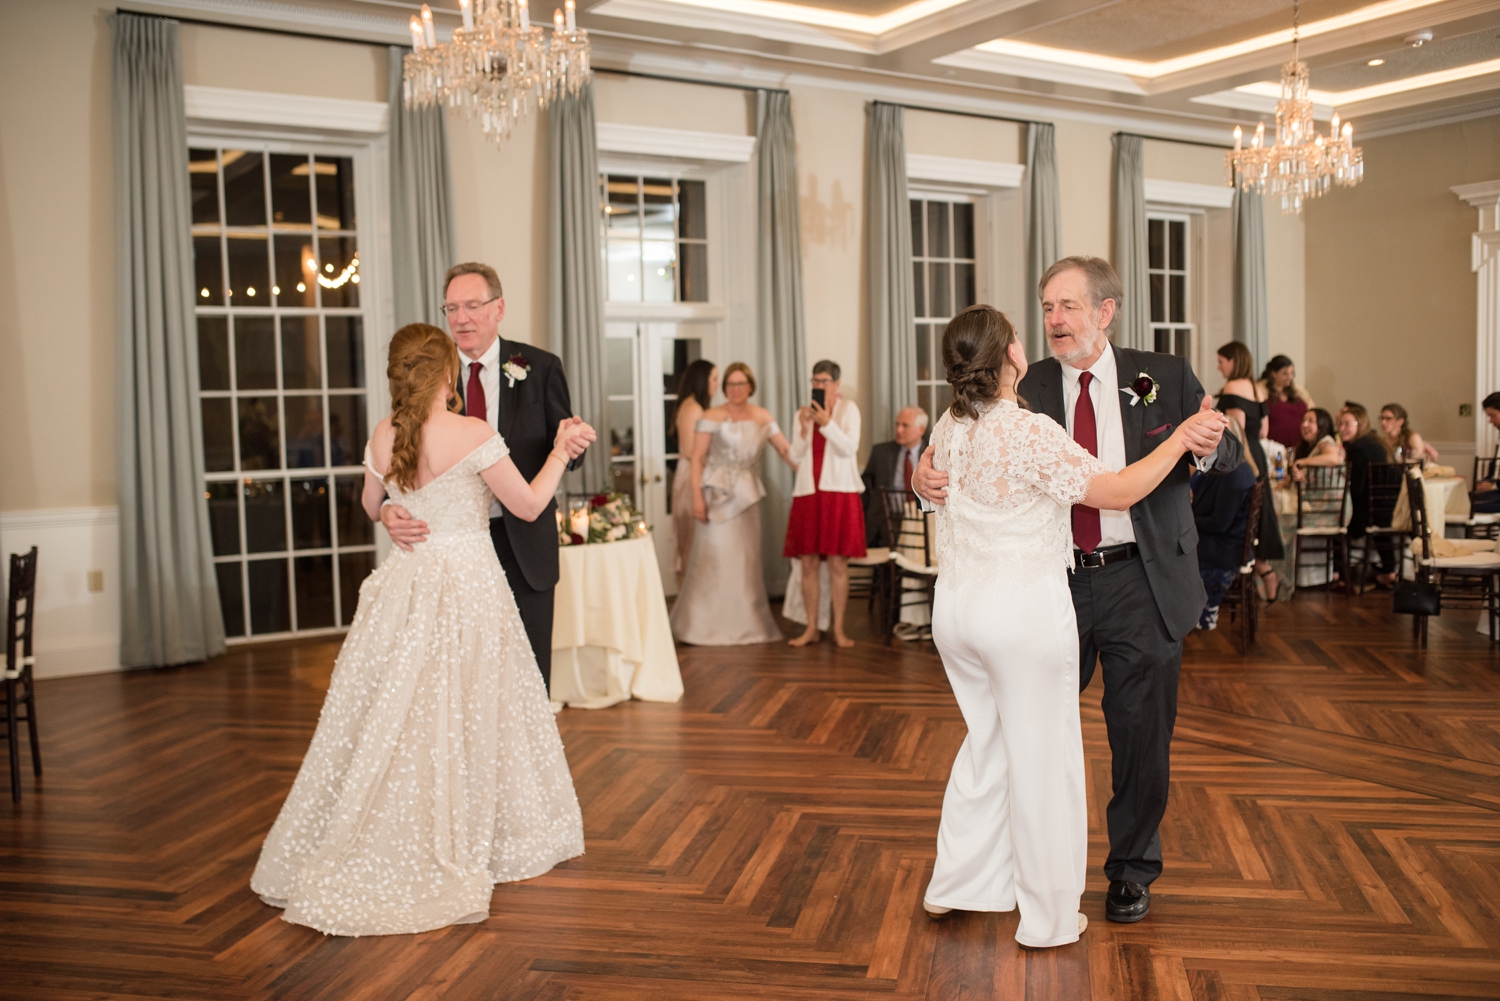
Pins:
x: 827, y: 520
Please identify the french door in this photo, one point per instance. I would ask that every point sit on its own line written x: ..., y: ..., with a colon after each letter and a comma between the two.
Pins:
x: 644, y: 360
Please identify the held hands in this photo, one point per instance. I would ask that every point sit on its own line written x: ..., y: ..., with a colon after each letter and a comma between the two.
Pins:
x: 1200, y: 433
x: 405, y: 530
x: 927, y: 483
x: 573, y: 437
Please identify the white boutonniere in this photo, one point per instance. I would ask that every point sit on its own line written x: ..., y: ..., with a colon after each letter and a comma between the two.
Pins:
x: 1143, y: 388
x: 515, y: 369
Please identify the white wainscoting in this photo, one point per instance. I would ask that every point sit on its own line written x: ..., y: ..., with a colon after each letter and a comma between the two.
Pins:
x: 77, y: 630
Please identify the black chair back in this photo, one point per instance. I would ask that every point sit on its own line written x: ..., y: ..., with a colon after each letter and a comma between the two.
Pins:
x: 1321, y: 492
x: 1382, y: 490
x: 1416, y: 499
x: 20, y: 613
x: 1485, y: 468
x: 1252, y: 522
x: 905, y: 524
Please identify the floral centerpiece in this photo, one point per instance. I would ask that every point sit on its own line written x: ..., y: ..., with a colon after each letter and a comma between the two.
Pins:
x: 607, y: 518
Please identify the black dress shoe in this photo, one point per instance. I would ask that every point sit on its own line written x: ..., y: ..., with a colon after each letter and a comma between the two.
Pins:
x: 1127, y: 901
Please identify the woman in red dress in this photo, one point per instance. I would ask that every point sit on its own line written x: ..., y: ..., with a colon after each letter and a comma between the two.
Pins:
x: 827, y: 520
x: 1286, y: 402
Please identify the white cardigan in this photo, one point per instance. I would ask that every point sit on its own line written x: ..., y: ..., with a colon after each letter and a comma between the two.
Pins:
x: 840, y: 463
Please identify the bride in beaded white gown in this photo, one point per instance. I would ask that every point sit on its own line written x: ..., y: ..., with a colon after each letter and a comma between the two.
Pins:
x: 436, y: 770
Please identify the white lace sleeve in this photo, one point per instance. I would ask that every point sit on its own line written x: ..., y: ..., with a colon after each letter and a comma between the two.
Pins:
x: 1062, y: 467
x: 772, y: 430
x: 492, y: 451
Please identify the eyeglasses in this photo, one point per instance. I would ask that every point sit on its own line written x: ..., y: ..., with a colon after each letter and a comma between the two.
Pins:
x: 452, y: 309
x: 736, y: 384
x: 822, y: 381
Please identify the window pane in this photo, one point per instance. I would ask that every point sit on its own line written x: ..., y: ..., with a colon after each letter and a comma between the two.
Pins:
x: 1156, y: 243
x: 658, y: 209
x: 619, y: 376
x: 659, y: 270
x: 676, y: 355
x: 624, y: 266
x: 1163, y: 338
x: 231, y: 598
x: 218, y: 436
x: 1158, y: 298
x: 304, y: 431
x: 917, y: 244
x: 208, y: 271
x: 621, y: 427
x: 270, y: 602
x: 940, y: 274
x: 924, y: 398
x: 249, y: 271
x: 964, y: 294
x: 691, y: 221
x: 693, y: 273
x: 311, y: 528
x: 1178, y: 289
x: 919, y: 288
x: 244, y: 189
x: 1178, y: 246
x: 623, y: 479
x: 338, y: 276
x: 924, y: 352
x: 963, y: 230
x: 355, y: 527
x: 213, y: 352
x: 296, y: 266
x: 353, y: 569
x: 622, y: 211
x: 1184, y: 342
x: 265, y: 516
x: 203, y: 181
x: 291, y: 194
x: 335, y: 183
x: 346, y: 429
x: 346, y: 352
x: 224, y: 517
x: 260, y: 433
x: 314, y: 591
x: 255, y: 352
x: 937, y: 230
x: 942, y: 398
x: 301, y: 359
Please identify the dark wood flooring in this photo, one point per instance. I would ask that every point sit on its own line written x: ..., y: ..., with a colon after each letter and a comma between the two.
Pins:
x: 1334, y: 834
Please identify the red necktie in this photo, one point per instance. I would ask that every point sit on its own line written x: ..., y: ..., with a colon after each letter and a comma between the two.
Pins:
x: 1086, y: 532
x: 474, y: 395
x: 906, y: 471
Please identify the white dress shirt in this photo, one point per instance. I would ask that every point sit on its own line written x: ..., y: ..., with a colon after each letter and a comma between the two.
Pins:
x: 489, y: 378
x: 1115, y: 527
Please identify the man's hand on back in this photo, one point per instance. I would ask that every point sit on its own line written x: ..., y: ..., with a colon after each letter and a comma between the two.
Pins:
x: 927, y: 483
x: 405, y: 530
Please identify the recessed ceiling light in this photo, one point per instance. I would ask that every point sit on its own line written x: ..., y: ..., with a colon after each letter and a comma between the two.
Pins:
x: 1375, y: 62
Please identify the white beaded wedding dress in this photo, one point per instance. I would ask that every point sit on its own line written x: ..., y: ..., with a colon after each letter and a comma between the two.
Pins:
x: 1014, y: 829
x: 436, y: 770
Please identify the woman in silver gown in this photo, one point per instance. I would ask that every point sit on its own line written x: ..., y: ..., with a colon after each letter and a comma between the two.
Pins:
x: 723, y: 601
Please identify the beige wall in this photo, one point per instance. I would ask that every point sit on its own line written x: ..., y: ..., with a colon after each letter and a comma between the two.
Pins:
x: 1083, y: 182
x: 281, y: 64
x: 1390, y: 294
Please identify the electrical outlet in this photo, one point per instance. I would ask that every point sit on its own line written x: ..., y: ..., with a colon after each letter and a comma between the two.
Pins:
x: 96, y: 580
x: 1466, y: 410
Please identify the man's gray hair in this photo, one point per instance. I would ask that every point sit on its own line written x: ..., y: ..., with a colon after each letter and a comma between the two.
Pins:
x: 1103, y: 283
x: 475, y: 268
x: 921, y: 418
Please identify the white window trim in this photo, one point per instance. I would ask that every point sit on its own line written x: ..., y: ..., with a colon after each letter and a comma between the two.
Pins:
x: 673, y: 144
x: 955, y: 170
x: 1196, y: 265
x: 224, y: 104
x: 1174, y: 194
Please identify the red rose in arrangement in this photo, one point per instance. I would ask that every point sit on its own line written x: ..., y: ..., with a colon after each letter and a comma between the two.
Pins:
x: 575, y: 539
x: 1143, y: 385
x: 599, y: 500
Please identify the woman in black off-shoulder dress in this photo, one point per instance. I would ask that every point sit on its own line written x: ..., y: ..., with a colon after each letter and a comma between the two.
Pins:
x: 1235, y: 364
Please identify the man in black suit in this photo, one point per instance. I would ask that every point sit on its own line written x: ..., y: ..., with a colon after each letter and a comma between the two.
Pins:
x: 887, y: 467
x: 1135, y: 583
x: 523, y: 394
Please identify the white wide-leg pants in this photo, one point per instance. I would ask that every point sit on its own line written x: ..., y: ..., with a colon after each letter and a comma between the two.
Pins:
x: 1014, y: 829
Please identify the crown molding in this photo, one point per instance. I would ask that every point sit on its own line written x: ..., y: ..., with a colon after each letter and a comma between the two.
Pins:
x: 1484, y: 195
x: 264, y: 13
x: 642, y: 140
x: 1260, y: 104
x: 1039, y: 69
x: 733, y: 22
x: 1203, y: 196
x: 954, y: 170
x: 222, y: 104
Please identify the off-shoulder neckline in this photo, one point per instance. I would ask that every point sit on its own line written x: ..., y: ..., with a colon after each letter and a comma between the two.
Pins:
x: 467, y: 456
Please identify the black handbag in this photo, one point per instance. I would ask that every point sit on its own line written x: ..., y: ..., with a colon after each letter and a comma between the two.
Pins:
x: 1415, y: 598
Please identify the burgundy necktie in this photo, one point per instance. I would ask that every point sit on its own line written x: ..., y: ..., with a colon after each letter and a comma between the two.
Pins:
x: 907, y: 470
x: 474, y: 395
x: 1086, y: 432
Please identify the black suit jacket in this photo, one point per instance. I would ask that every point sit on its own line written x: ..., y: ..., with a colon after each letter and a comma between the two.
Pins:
x: 529, y: 414
x: 880, y: 471
x: 1163, y: 520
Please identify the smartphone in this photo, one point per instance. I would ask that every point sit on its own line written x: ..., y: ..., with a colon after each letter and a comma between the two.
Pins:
x: 819, y: 398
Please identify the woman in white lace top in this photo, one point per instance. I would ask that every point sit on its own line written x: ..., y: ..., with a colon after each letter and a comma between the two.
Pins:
x: 1015, y: 817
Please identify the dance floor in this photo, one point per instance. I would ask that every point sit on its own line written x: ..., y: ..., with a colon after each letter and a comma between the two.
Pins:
x: 1334, y: 833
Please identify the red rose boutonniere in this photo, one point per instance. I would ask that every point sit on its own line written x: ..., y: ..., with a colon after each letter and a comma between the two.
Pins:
x: 1143, y: 388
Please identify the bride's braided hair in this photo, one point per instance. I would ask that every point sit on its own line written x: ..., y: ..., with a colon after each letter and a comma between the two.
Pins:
x: 423, y: 362
x: 974, y: 346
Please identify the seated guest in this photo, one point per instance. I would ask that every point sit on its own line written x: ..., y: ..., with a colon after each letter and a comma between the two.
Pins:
x: 1286, y: 401
x: 1318, y: 446
x: 1221, y: 509
x: 891, y: 464
x: 1363, y: 446
x: 1485, y: 497
x: 1401, y: 439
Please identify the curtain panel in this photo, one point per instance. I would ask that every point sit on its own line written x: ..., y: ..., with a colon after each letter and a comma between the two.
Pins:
x: 1128, y: 243
x: 169, y: 596
x: 575, y: 289
x: 1043, y: 227
x: 888, y: 266
x: 422, y: 248
x: 1250, y: 324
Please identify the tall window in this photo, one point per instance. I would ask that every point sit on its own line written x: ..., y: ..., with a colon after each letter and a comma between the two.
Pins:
x: 1167, y: 265
x: 943, y: 267
x: 655, y: 239
x: 281, y: 354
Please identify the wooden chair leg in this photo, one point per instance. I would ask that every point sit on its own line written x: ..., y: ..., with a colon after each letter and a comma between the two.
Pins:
x: 36, y: 747
x: 12, y: 725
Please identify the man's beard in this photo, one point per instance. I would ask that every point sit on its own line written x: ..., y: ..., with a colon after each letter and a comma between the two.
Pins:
x: 1082, y: 347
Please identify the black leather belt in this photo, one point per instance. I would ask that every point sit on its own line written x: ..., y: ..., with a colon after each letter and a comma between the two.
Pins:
x: 1104, y: 557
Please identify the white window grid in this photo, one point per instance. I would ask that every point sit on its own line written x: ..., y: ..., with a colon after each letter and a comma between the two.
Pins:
x: 349, y: 563
x: 945, y: 277
x: 652, y: 259
x: 1169, y: 271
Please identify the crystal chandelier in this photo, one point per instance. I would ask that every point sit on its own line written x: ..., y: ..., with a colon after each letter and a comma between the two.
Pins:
x: 498, y: 66
x: 1302, y: 164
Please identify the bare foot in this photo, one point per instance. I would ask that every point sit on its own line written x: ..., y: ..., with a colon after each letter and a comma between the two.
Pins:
x: 842, y: 640
x: 811, y: 636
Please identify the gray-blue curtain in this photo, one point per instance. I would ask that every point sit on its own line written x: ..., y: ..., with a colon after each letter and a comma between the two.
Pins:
x: 1250, y: 321
x: 575, y: 289
x: 169, y: 596
x: 1043, y: 226
x: 782, y: 367
x: 1128, y: 244
x: 421, y: 203
x: 890, y: 301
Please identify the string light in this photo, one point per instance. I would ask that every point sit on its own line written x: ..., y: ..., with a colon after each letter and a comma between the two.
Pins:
x: 344, y: 276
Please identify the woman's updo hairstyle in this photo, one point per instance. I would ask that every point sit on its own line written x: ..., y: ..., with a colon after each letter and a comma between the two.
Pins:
x: 423, y: 362
x: 974, y: 346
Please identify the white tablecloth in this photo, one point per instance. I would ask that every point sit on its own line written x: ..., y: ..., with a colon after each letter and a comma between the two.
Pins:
x: 611, y: 640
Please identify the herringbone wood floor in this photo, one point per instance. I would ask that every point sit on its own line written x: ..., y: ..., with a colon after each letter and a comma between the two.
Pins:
x: 1334, y: 834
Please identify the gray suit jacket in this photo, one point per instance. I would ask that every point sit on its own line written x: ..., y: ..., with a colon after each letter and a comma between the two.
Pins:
x: 1164, y: 527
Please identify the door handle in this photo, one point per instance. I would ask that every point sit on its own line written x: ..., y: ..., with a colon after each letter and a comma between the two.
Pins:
x: 645, y: 479
x: 658, y: 479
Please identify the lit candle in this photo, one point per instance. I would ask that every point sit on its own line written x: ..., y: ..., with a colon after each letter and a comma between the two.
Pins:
x: 427, y: 31
x: 557, y: 20
x: 417, y: 41
x: 1239, y: 134
x: 525, y: 16
x: 570, y: 7
x: 1333, y: 129
x: 579, y: 523
x: 1348, y: 131
x: 1260, y: 135
x: 468, y: 10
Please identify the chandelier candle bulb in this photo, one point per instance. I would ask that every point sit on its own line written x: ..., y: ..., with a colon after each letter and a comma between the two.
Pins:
x: 1239, y: 135
x: 468, y: 10
x: 428, y: 33
x: 569, y: 7
x: 417, y: 40
x: 525, y: 16
x: 557, y: 20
